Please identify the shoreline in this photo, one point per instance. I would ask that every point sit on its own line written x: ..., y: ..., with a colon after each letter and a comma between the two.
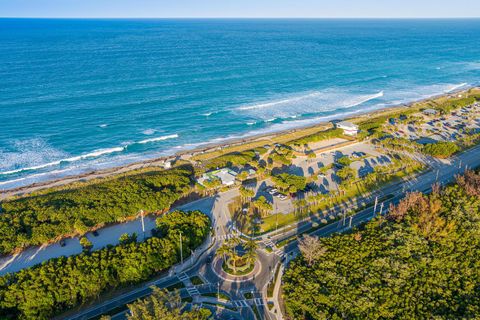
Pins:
x: 219, y: 147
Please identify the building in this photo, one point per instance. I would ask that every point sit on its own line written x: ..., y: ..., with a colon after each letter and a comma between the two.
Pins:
x: 225, y: 175
x: 348, y: 128
x: 430, y: 112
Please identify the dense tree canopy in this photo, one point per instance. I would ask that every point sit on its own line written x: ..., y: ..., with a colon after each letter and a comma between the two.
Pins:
x: 40, y: 218
x: 441, y: 149
x: 164, y: 305
x: 289, y: 182
x: 421, y: 262
x: 60, y: 284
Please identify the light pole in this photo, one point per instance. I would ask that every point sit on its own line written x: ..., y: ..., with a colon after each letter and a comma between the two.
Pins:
x: 350, y: 222
x: 375, y: 206
x: 181, y: 249
x: 218, y: 290
x: 381, y: 208
x: 143, y: 224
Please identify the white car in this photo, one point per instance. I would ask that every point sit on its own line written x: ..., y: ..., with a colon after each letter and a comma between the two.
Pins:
x: 273, y: 191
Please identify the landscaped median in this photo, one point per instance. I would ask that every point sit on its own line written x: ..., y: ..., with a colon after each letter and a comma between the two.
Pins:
x: 60, y: 284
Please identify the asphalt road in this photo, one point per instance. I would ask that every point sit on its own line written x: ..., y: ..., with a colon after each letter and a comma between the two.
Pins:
x: 441, y: 171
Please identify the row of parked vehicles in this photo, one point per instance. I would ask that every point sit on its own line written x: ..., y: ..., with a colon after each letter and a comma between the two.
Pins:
x: 274, y: 192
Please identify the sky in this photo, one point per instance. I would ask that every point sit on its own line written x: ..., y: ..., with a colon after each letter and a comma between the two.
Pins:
x: 240, y: 8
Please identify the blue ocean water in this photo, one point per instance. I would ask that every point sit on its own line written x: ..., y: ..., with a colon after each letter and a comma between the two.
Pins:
x: 79, y: 95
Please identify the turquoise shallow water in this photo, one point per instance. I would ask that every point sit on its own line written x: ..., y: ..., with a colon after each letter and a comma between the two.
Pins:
x: 78, y: 95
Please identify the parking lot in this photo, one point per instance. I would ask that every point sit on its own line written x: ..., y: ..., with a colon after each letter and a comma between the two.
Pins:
x: 450, y: 127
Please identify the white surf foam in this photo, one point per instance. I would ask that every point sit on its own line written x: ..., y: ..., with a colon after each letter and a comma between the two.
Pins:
x: 455, y: 87
x: 103, y: 125
x: 171, y: 136
x: 149, y: 132
x: 279, y: 102
x: 93, y: 154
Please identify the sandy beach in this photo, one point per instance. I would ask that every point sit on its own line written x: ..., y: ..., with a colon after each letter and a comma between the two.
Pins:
x: 213, y: 150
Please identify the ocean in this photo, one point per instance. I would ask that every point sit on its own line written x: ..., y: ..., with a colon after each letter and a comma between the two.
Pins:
x: 82, y: 95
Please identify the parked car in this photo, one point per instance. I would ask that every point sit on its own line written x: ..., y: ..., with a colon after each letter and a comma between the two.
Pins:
x: 95, y: 233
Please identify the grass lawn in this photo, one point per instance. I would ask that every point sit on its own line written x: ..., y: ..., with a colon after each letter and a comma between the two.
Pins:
x: 196, y: 280
x: 176, y: 286
x: 221, y: 296
x: 270, y: 223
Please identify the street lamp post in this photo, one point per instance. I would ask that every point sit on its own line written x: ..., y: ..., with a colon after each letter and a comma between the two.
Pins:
x: 143, y: 224
x: 181, y: 249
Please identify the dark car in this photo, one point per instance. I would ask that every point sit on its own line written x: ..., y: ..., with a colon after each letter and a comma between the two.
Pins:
x: 63, y: 243
x: 95, y: 233
x: 209, y: 259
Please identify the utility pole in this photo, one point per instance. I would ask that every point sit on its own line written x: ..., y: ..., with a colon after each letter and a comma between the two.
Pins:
x: 344, y: 216
x: 218, y: 290
x: 350, y: 223
x: 181, y: 249
x: 381, y: 208
x: 375, y: 206
x: 438, y: 171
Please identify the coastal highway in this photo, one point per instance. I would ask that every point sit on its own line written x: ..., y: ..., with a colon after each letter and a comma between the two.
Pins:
x: 441, y: 171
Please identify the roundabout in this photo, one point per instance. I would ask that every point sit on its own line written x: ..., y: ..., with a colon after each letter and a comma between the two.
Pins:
x: 219, y: 265
x: 237, y: 260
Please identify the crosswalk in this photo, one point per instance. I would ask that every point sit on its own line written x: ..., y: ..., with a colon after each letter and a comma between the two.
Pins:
x: 278, y: 252
x: 193, y: 291
x: 258, y: 301
x: 269, y: 243
x: 183, y: 277
x: 240, y: 303
x: 225, y: 237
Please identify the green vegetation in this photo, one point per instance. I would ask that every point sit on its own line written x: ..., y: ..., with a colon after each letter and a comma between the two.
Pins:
x: 263, y: 206
x: 176, y: 286
x: 233, y: 262
x: 420, y: 262
x: 61, y: 284
x: 320, y: 136
x: 344, y: 161
x: 221, y: 295
x: 196, y: 280
x: 319, y: 204
x: 282, y: 155
x: 47, y: 216
x: 441, y: 149
x: 231, y: 159
x: 289, y: 182
x: 452, y: 104
x: 164, y: 305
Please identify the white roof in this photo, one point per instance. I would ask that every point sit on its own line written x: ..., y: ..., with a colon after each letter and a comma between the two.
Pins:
x: 431, y: 111
x: 347, y: 125
x: 226, y: 176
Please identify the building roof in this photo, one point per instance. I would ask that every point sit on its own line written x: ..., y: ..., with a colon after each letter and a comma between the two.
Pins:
x: 430, y: 111
x: 347, y: 125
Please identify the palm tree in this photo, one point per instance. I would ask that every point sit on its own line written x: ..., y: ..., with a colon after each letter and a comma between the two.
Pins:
x: 224, y: 250
x: 251, y: 245
x: 232, y: 244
